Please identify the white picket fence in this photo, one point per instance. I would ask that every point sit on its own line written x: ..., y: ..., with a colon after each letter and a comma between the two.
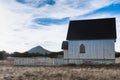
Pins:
x: 38, y: 61
x: 42, y: 61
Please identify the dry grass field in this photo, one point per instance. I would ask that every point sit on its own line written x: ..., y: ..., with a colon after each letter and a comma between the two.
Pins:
x: 83, y: 72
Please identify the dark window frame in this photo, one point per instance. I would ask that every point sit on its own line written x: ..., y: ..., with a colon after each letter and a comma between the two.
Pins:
x: 82, y: 48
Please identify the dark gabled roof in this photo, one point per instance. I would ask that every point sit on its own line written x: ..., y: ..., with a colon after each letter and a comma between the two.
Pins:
x: 65, y: 45
x: 92, y: 29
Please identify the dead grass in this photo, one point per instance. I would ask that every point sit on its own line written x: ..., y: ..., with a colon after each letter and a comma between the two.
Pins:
x: 83, y: 72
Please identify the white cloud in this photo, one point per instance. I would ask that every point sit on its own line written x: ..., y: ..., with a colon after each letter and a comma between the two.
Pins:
x: 16, y: 33
x: 70, y: 8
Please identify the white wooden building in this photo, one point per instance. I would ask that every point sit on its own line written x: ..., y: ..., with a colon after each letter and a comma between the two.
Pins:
x: 90, y: 41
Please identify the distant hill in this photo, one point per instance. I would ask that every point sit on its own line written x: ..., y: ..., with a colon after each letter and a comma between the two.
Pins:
x: 38, y: 49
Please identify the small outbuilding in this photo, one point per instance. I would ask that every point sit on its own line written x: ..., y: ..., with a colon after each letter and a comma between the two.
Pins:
x: 90, y: 41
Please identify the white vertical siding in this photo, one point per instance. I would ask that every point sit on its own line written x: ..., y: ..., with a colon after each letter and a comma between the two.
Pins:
x: 65, y: 53
x: 95, y: 49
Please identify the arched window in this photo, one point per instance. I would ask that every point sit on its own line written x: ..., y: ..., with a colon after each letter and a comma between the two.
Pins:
x: 82, y: 48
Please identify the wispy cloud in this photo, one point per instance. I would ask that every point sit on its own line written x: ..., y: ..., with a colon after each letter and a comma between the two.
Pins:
x: 50, y: 21
x: 37, y: 3
x: 111, y: 9
x: 28, y: 23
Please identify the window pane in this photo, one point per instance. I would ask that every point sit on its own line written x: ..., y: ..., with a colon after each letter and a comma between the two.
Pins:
x: 82, y: 48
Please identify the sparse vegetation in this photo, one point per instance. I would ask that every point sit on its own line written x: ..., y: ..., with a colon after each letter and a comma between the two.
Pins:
x: 69, y: 72
x: 3, y: 55
x: 66, y: 72
x: 54, y: 54
x: 27, y: 54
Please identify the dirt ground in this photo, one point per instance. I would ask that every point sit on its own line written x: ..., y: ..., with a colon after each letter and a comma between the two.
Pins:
x: 81, y: 72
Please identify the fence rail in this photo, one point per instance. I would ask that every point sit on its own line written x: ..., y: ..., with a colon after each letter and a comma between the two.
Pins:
x: 38, y: 61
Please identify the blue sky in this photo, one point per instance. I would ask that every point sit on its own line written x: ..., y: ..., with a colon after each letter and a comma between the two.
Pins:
x: 28, y: 23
